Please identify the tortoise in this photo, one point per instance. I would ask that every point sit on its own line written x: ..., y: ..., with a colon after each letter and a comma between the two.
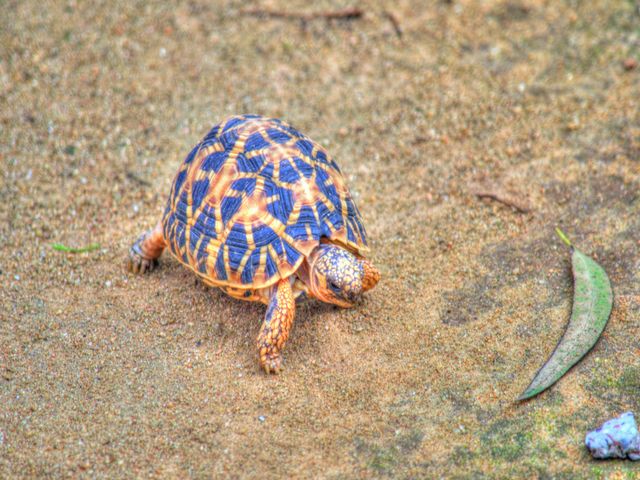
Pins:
x: 263, y: 212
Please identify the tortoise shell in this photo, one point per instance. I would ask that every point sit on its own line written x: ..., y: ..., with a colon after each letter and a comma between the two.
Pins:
x: 253, y: 199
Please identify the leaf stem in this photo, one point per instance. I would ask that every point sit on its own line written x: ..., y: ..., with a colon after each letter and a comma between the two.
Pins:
x: 563, y: 237
x: 63, y: 248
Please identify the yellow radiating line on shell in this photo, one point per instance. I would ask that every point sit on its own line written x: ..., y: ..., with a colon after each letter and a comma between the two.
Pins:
x: 245, y: 259
x: 227, y: 268
x: 263, y: 262
x: 248, y: 231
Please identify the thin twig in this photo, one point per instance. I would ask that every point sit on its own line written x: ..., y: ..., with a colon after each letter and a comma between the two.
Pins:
x: 502, y: 199
x: 395, y: 23
x: 132, y: 176
x: 346, y: 14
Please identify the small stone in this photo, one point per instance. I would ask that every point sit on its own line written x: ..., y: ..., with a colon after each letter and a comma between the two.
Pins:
x: 616, y: 438
x: 574, y: 124
x: 629, y: 63
x: 262, y: 418
x: 107, y: 284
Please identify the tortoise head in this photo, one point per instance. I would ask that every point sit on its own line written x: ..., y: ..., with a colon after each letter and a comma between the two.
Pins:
x: 339, y: 277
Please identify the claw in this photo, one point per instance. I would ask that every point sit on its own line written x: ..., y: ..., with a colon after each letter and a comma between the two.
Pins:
x: 144, y: 253
x: 272, y: 363
x: 138, y: 264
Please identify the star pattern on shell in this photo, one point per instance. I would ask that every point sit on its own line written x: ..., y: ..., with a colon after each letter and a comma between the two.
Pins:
x: 253, y: 199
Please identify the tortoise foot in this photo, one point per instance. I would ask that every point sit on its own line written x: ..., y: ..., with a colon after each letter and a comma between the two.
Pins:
x: 144, y: 253
x: 136, y: 263
x: 139, y: 260
x: 271, y: 362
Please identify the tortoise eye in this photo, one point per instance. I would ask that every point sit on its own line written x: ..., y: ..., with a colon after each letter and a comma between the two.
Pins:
x: 334, y: 287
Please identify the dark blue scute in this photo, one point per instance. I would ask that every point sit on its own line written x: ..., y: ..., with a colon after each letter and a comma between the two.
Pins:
x: 181, y: 207
x: 202, y: 254
x: 292, y: 254
x: 247, y: 274
x: 249, y: 165
x: 290, y: 130
x: 246, y: 185
x: 211, y: 137
x: 206, y: 222
x: 235, y: 256
x: 299, y: 230
x: 350, y: 235
x: 168, y: 218
x: 229, y: 207
x: 179, y: 181
x: 192, y: 154
x: 229, y: 139
x: 214, y: 161
x: 278, y: 247
x: 181, y: 236
x: 281, y: 208
x: 234, y: 122
x: 278, y: 136
x: 271, y: 267
x: 329, y: 191
x: 304, y: 167
x: 237, y: 239
x: 336, y: 219
x: 324, y: 213
x: 360, y: 228
x: 194, y: 236
x: 267, y: 171
x: 351, y: 211
x: 255, y: 142
x: 288, y: 174
x: 305, y: 146
x: 263, y: 235
x: 322, y: 157
x: 198, y: 191
x: 221, y: 273
x: 252, y: 265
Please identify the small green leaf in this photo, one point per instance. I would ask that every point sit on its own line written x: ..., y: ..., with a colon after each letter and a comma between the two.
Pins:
x: 63, y: 248
x: 70, y: 149
x: 592, y: 303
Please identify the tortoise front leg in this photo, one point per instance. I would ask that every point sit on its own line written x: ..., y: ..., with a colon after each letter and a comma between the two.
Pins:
x: 144, y: 253
x: 276, y: 326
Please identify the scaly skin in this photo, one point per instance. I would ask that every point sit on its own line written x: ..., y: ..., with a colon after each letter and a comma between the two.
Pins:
x: 144, y: 253
x: 276, y: 326
x: 371, y: 275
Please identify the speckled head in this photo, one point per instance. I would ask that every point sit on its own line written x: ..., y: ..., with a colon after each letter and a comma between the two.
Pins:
x: 339, y: 277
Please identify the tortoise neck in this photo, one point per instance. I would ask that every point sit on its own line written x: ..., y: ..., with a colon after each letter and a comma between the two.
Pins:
x: 306, y: 274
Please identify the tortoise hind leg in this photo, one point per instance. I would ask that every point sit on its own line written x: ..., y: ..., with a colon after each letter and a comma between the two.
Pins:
x: 276, y: 326
x: 144, y: 253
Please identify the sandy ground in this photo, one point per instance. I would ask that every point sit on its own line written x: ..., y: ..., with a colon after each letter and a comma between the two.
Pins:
x: 108, y: 375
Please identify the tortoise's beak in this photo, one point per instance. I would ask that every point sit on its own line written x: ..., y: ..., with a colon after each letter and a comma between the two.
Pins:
x: 345, y: 302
